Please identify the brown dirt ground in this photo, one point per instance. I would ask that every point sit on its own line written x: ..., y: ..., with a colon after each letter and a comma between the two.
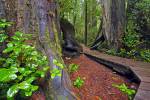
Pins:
x: 98, y: 80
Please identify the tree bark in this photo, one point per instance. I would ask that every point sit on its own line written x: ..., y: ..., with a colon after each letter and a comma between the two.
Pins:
x: 2, y: 9
x: 100, y: 36
x: 41, y: 17
x: 113, y: 22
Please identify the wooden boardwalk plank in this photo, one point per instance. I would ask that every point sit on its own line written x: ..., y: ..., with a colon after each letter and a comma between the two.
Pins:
x: 140, y: 69
x: 145, y: 79
x: 142, y: 73
x: 145, y: 86
x: 142, y: 95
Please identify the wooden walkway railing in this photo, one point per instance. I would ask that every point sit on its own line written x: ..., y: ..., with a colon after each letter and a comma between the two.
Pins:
x: 140, y: 69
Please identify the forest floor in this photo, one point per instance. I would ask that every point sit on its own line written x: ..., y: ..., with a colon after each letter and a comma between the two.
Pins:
x: 98, y: 80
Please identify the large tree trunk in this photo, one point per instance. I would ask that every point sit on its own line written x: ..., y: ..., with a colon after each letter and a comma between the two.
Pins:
x: 2, y: 9
x: 113, y: 22
x: 40, y: 16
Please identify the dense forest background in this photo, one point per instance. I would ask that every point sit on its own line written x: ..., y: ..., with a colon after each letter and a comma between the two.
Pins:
x: 89, y: 19
x: 116, y: 27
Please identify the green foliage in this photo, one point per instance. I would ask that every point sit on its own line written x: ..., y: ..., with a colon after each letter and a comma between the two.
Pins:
x: 126, y: 90
x: 22, y: 66
x: 56, y: 72
x: 25, y: 86
x: 3, y: 37
x: 132, y: 54
x: 144, y: 6
x: 4, y: 23
x: 145, y: 54
x: 66, y: 6
x: 78, y: 82
x: 131, y: 38
x: 139, y: 54
x: 73, y: 68
x: 122, y: 53
x: 57, y: 63
x: 138, y: 17
x: 131, y: 41
x: 74, y: 11
x: 111, y: 52
x: 8, y: 74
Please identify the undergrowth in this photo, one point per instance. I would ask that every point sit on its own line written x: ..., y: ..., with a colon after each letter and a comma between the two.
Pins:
x: 131, y: 41
x: 126, y: 90
x: 21, y: 65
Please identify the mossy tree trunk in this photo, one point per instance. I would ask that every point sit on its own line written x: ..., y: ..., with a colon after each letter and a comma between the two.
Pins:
x: 113, y: 24
x: 40, y: 18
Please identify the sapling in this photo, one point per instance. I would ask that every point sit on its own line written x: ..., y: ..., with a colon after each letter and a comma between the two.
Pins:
x: 126, y: 90
x: 73, y: 68
x: 78, y: 82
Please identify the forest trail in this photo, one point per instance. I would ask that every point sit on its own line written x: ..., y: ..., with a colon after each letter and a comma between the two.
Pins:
x: 140, y: 69
x: 98, y: 80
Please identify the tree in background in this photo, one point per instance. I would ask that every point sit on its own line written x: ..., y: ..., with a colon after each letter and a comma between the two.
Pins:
x: 113, y: 26
x: 74, y: 12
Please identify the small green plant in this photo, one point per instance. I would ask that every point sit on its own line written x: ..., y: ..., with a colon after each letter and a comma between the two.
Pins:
x: 73, y: 68
x: 4, y: 23
x: 111, y: 52
x: 131, y: 38
x: 145, y: 54
x: 78, y: 82
x: 125, y: 89
x: 56, y: 72
x: 122, y: 53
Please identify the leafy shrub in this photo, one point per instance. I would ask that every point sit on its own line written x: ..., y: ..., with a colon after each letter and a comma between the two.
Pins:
x: 111, y: 52
x: 144, y: 6
x: 122, y: 53
x: 21, y: 66
x: 73, y: 68
x: 4, y: 23
x: 78, y: 82
x: 145, y: 54
x: 56, y: 72
x: 131, y: 41
x: 138, y: 17
x: 126, y: 90
x: 131, y: 38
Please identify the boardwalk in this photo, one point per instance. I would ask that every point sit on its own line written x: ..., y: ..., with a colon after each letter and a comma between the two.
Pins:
x: 140, y: 69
